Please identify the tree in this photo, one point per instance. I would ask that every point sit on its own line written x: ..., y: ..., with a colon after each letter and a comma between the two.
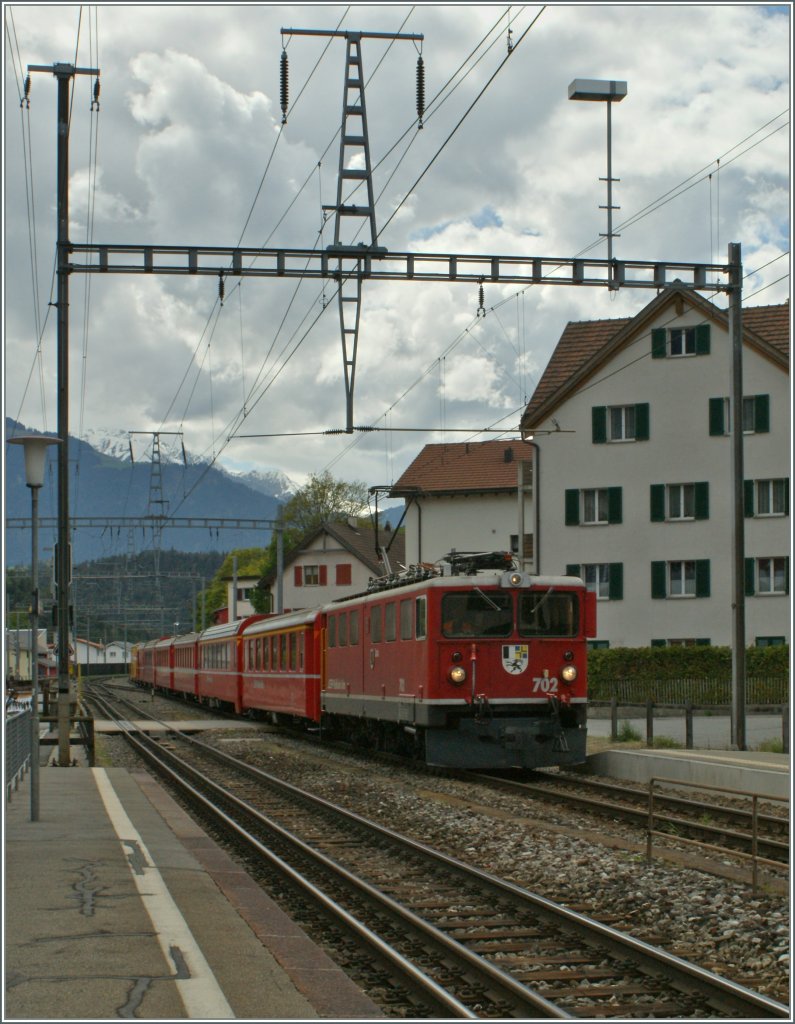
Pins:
x: 250, y: 562
x: 322, y: 499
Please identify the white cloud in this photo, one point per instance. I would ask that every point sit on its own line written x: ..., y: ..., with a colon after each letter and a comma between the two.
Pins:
x: 191, y: 150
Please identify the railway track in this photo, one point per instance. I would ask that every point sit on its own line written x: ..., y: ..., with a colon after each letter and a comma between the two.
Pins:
x: 724, y: 826
x: 465, y: 943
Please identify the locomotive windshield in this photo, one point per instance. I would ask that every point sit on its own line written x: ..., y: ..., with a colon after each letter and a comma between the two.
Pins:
x: 477, y: 614
x: 548, y: 614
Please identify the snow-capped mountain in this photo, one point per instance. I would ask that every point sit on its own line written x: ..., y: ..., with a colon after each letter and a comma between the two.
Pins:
x: 137, y: 446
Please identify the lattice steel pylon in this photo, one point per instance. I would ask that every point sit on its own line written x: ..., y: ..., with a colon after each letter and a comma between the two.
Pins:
x: 351, y: 219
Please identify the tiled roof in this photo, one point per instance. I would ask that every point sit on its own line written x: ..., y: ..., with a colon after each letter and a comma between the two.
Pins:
x: 771, y: 323
x: 358, y: 540
x: 583, y: 342
x: 470, y: 467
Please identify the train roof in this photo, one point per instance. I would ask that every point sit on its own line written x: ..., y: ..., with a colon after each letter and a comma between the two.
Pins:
x: 289, y: 619
x: 227, y: 629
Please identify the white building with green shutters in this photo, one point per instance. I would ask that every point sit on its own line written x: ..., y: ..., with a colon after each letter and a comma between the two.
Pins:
x: 632, y: 452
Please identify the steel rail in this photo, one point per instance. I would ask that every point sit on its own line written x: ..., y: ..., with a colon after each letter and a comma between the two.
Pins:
x: 683, y: 974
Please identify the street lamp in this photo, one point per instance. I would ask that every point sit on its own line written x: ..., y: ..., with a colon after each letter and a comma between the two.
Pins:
x: 595, y: 91
x: 35, y: 447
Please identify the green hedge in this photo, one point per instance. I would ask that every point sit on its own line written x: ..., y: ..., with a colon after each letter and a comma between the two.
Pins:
x: 674, y: 675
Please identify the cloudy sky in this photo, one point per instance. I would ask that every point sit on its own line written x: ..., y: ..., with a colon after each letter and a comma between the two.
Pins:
x: 188, y: 148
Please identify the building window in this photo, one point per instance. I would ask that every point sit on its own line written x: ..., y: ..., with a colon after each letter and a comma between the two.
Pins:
x: 615, y: 423
x: 688, y: 642
x: 598, y: 645
x: 244, y: 593
x: 605, y: 579
x: 621, y: 422
x: 771, y: 641
x: 311, y: 575
x: 767, y: 497
x: 597, y: 579
x: 593, y: 506
x: 679, y: 502
x: 766, y: 576
x: 680, y: 579
x: 676, y: 342
x: 527, y: 547
x: 756, y: 415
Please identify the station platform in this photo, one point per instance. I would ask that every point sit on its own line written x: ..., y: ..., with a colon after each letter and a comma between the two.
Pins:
x: 118, y: 905
x: 744, y: 771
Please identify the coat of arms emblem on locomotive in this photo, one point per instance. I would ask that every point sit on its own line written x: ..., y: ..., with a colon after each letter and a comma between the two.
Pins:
x: 515, y: 658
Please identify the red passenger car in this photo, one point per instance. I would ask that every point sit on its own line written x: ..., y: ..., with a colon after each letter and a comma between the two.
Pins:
x: 282, y: 666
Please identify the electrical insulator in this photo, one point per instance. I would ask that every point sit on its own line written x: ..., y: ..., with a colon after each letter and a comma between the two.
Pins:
x: 420, y: 90
x: 283, y: 85
x: 510, y: 40
x: 25, y: 101
x: 481, y: 307
x: 95, y: 101
x: 221, y: 288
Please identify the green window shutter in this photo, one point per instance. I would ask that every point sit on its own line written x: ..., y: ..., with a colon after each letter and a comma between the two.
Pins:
x: 658, y: 580
x: 616, y: 581
x: 716, y: 406
x: 614, y: 504
x: 748, y: 498
x: 702, y: 577
x: 599, y: 424
x: 642, y: 421
x: 786, y: 498
x: 658, y: 343
x: 572, y: 570
x: 702, y: 340
x: 657, y: 503
x: 762, y: 414
x: 572, y: 507
x: 750, y: 577
x: 658, y: 643
x: 702, y: 500
x: 703, y: 642
x: 786, y: 576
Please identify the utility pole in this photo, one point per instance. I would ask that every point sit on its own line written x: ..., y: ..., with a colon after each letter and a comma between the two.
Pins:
x: 64, y: 73
x: 738, y: 516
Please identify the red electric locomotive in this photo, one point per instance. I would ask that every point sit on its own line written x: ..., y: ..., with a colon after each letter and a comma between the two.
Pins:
x: 480, y: 669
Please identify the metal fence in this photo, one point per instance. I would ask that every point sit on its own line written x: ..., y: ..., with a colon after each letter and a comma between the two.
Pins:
x: 759, y: 691
x: 18, y: 735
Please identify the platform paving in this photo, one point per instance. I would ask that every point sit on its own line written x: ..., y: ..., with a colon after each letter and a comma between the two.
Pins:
x: 118, y: 905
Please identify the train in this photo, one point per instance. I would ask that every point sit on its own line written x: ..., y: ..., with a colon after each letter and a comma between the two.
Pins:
x: 468, y: 663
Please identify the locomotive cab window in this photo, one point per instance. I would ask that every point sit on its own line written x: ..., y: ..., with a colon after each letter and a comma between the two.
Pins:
x: 405, y: 619
x: 476, y: 613
x: 420, y: 618
x: 548, y: 614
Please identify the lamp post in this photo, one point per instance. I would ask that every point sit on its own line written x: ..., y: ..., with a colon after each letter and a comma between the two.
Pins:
x: 594, y: 91
x: 35, y: 447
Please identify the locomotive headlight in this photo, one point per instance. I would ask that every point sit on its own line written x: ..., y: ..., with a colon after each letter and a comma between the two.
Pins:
x: 515, y: 579
x: 569, y: 673
x: 457, y: 675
